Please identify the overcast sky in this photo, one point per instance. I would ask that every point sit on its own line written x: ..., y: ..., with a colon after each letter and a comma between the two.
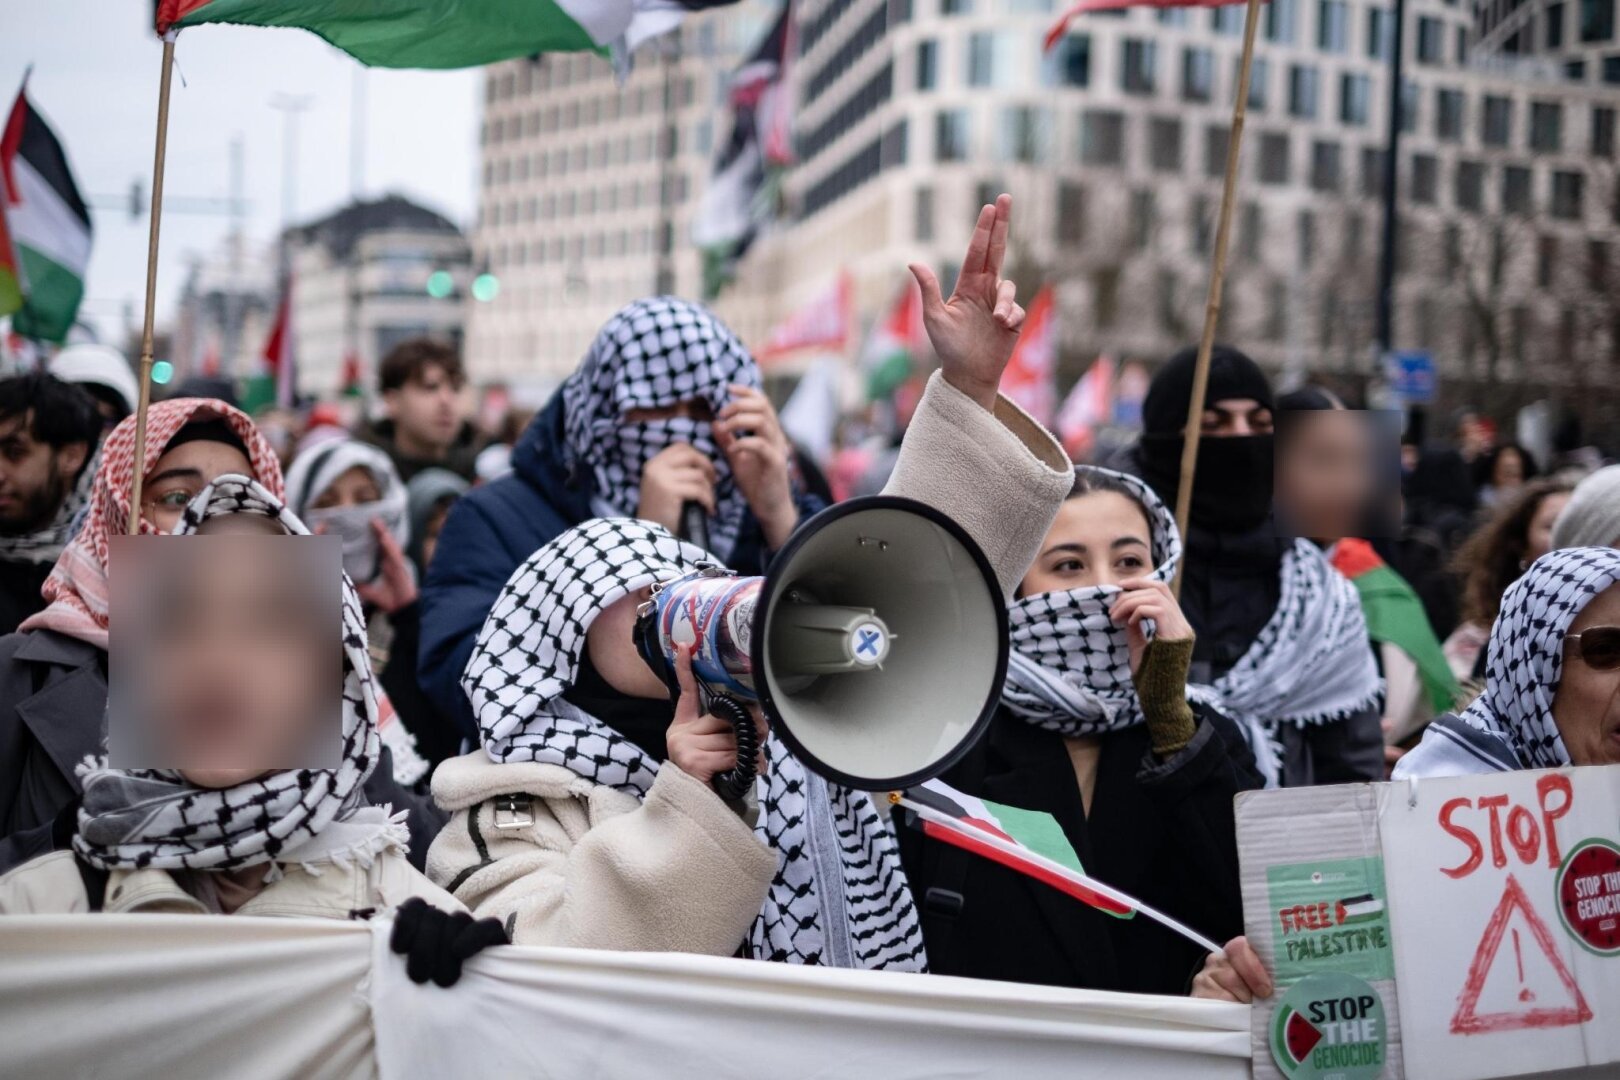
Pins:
x: 95, y: 79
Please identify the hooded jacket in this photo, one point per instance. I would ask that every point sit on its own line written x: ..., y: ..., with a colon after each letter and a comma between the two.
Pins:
x: 493, y: 528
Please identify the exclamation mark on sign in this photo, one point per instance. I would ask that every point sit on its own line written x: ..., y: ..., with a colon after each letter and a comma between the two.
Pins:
x: 1525, y: 994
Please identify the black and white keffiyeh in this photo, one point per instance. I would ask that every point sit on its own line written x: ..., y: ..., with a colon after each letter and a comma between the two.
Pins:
x: 44, y: 545
x: 653, y: 354
x: 839, y: 897
x: 1312, y: 662
x: 1068, y: 664
x: 1510, y: 725
x: 137, y: 818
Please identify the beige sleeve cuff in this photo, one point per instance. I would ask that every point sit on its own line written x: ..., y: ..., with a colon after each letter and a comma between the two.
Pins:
x: 1001, y: 476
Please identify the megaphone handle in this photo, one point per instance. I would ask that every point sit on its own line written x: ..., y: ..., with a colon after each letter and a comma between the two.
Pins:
x: 695, y: 523
x: 735, y: 783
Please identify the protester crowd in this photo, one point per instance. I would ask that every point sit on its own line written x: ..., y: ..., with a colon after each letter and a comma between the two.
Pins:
x: 512, y: 769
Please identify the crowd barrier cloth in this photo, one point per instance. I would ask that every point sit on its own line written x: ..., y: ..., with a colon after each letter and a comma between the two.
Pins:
x: 182, y: 996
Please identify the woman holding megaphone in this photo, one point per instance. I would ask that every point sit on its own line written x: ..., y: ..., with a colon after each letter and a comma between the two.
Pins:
x: 586, y: 817
x: 1097, y: 728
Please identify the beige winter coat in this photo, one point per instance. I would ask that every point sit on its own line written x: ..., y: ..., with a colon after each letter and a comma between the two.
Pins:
x: 51, y: 885
x: 562, y: 861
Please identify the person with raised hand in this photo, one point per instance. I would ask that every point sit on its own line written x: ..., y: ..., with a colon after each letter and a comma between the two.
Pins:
x: 586, y: 817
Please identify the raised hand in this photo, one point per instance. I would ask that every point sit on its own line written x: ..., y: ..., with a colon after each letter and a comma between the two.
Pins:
x: 749, y: 433
x: 975, y: 330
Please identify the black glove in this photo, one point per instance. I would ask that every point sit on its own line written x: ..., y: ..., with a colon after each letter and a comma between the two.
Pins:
x: 435, y: 943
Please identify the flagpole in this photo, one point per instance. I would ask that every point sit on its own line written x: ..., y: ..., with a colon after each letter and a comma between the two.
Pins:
x: 1217, y: 275
x: 151, y: 283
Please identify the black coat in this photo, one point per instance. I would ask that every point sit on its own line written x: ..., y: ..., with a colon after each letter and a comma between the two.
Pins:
x: 53, y: 704
x: 20, y: 583
x: 1161, y: 831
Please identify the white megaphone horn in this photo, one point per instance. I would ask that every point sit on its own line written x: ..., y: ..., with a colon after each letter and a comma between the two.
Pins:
x: 875, y: 644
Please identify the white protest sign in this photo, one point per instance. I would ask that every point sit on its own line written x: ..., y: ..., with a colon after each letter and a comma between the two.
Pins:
x: 1504, y: 898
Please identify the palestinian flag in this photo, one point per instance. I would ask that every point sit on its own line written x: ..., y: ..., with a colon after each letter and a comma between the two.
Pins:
x: 44, y: 262
x: 1027, y: 841
x: 1354, y: 909
x: 444, y: 33
x: 10, y: 276
x: 1395, y: 614
x: 277, y: 385
x: 896, y: 342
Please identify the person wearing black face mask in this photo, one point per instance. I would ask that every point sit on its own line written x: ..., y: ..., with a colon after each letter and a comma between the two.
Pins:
x: 1250, y: 594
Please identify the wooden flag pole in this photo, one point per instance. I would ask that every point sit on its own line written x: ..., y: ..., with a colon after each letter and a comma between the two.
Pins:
x: 151, y: 284
x: 1217, y: 276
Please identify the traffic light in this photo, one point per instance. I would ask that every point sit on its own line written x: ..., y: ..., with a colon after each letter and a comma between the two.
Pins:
x: 162, y: 372
x: 486, y: 287
x: 440, y: 284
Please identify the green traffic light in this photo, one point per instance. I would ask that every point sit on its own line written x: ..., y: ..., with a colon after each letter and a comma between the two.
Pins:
x: 486, y: 287
x: 440, y: 284
x: 162, y: 372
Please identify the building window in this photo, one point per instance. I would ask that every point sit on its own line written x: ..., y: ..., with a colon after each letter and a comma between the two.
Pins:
x: 1333, y: 26
x: 1355, y: 237
x: 1164, y: 144
x: 1326, y: 166
x: 922, y: 220
x: 1102, y: 137
x: 951, y: 135
x: 1602, y: 132
x: 1217, y: 137
x: 1448, y: 114
x: 1251, y: 232
x: 1302, y: 91
x: 1228, y: 20
x: 1546, y: 260
x: 1611, y: 69
x: 1070, y: 63
x: 1515, y: 190
x: 1597, y: 20
x: 1566, y: 195
x: 1144, y: 215
x: 1020, y: 135
x: 1546, y: 126
x: 955, y: 7
x: 1139, y: 70
x: 1259, y: 81
x: 1497, y: 121
x: 927, y: 64
x: 1372, y: 172
x: 1197, y: 75
x: 1597, y: 264
x: 1280, y: 16
x: 1409, y: 107
x: 1468, y: 190
x: 1554, y: 16
x: 992, y: 59
x: 1105, y: 297
x: 1379, y: 25
x: 1430, y: 40
x: 1274, y: 158
x: 1355, y: 99
x: 1425, y: 179
x: 1200, y: 223
x: 1071, y: 213
x: 1307, y: 239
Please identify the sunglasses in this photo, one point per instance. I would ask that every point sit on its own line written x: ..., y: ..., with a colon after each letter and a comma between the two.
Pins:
x: 1598, y: 647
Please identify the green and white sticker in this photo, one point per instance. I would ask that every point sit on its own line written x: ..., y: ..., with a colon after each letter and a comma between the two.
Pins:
x: 1330, y: 915
x: 1330, y: 1026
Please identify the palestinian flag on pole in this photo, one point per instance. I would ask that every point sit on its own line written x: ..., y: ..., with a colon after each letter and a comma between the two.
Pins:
x: 445, y: 33
x: 1395, y: 614
x: 10, y: 275
x: 1028, y: 842
x: 277, y: 384
x: 48, y: 223
x: 897, y: 341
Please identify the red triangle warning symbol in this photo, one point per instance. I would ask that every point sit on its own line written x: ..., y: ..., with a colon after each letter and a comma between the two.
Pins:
x: 1525, y: 1007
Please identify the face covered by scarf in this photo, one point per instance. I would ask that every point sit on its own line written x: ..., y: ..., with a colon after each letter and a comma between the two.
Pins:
x: 1234, y: 478
x: 76, y: 591
x: 137, y: 818
x: 528, y: 654
x: 654, y: 354
x: 318, y: 469
x: 1068, y: 668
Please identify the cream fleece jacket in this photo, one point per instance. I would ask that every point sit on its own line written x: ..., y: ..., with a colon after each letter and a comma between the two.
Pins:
x: 568, y: 862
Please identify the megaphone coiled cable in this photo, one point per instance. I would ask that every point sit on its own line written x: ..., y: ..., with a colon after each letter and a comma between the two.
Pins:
x: 735, y: 783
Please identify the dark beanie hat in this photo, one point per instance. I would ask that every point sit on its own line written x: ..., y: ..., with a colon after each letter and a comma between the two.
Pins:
x: 209, y: 431
x: 1231, y: 375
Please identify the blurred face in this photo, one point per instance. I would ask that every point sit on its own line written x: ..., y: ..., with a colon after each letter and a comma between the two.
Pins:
x: 1587, y: 705
x: 1324, y: 477
x: 1098, y: 539
x: 1232, y: 417
x: 237, y: 671
x: 353, y: 487
x: 34, y: 477
x: 181, y: 474
x: 1538, y: 541
x: 1508, y: 471
x: 426, y: 411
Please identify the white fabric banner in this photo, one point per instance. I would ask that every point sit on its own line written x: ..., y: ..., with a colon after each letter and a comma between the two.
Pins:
x: 166, y: 996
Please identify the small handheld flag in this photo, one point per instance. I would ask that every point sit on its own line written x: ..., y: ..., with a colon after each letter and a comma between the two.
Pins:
x: 1028, y: 842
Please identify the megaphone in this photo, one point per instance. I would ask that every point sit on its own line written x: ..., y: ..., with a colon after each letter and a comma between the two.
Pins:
x: 875, y: 644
